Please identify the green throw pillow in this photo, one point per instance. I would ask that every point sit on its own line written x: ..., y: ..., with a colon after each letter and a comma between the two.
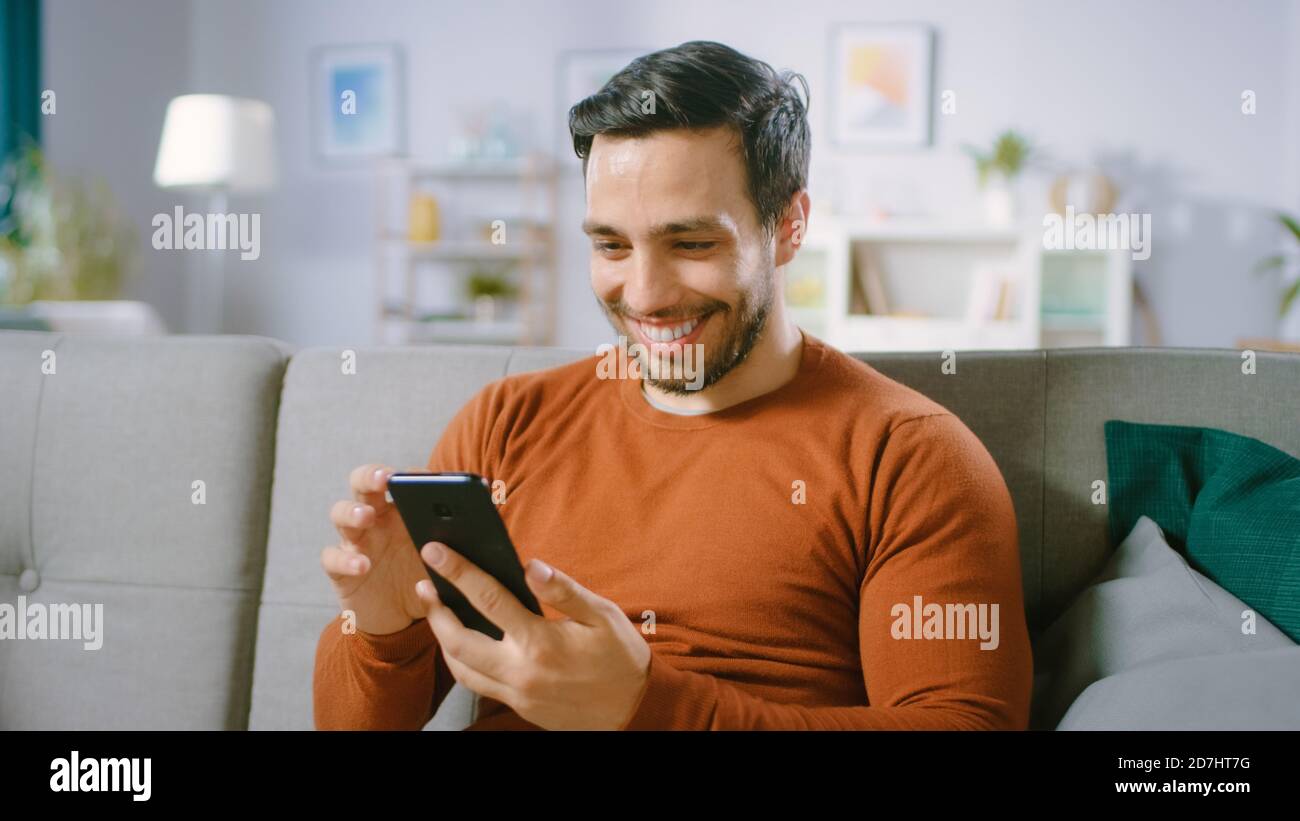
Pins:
x: 1230, y: 503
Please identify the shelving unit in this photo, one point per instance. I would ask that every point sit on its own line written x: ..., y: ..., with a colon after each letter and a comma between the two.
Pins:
x: 405, y: 313
x: 942, y: 288
x: 1086, y: 298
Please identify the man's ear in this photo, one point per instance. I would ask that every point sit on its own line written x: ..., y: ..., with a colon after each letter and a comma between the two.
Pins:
x: 793, y: 229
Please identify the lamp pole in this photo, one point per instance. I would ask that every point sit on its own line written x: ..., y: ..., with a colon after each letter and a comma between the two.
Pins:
x: 207, y: 282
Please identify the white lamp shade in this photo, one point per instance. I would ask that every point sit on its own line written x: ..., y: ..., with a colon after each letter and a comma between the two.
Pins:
x: 210, y: 141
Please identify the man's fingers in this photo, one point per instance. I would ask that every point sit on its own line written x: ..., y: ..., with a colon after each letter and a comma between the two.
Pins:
x: 469, y: 647
x: 476, y: 681
x: 343, y: 564
x: 560, y: 591
x: 488, y: 596
x: 369, y: 485
x: 352, y: 520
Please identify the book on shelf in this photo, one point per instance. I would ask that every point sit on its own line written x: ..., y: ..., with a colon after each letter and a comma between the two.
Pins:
x: 869, y: 294
x: 1006, y: 308
x: 992, y: 293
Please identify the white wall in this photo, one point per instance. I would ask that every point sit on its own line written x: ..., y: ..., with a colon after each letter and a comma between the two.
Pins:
x: 1290, y: 327
x: 113, y: 67
x: 1157, y: 83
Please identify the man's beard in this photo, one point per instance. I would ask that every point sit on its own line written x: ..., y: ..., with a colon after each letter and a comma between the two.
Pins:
x: 743, y: 326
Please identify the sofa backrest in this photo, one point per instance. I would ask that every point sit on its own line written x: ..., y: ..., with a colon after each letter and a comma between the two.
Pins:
x: 98, y: 461
x: 135, y: 474
x: 389, y: 408
x: 1040, y: 414
x: 1085, y: 388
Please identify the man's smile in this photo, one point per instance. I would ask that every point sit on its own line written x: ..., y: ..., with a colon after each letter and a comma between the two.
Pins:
x: 668, y: 334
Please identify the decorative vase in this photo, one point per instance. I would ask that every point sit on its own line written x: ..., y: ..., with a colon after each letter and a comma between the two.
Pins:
x: 485, y: 309
x: 1087, y: 192
x: 423, y: 219
x: 999, y: 202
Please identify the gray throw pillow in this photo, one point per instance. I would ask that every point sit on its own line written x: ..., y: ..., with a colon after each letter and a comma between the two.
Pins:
x: 1219, y: 692
x: 1146, y: 606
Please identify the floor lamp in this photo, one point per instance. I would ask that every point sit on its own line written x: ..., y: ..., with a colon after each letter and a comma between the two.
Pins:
x: 215, y: 145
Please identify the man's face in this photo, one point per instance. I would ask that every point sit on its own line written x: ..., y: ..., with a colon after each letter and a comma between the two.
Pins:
x: 678, y: 257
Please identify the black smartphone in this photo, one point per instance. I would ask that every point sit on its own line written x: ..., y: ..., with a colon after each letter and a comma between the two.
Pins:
x: 457, y: 510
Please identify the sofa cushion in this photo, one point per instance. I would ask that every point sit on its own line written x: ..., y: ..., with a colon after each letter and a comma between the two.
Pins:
x: 391, y: 409
x: 1176, y: 386
x: 1220, y: 692
x: 1147, y: 605
x: 1231, y: 503
x: 106, y: 449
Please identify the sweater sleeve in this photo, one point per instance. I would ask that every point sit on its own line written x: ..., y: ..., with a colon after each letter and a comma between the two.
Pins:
x: 364, y: 681
x: 942, y: 528
x: 398, y: 680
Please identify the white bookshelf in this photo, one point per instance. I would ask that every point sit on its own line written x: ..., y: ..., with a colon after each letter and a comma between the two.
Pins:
x: 419, y: 285
x: 496, y: 332
x: 941, y: 285
x: 1087, y: 298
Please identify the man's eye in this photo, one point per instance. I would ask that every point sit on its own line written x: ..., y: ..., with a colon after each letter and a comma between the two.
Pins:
x: 696, y: 246
x: 607, y: 246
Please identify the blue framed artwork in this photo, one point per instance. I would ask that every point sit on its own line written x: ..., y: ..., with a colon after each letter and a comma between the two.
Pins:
x: 358, y: 102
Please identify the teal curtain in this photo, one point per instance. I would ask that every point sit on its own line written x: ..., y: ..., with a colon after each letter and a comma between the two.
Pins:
x: 20, y: 73
x: 20, y: 96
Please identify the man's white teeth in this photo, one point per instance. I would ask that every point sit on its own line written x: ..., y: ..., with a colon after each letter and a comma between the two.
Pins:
x: 668, y: 333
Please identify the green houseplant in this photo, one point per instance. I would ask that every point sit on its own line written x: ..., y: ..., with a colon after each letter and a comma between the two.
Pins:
x: 1008, y: 156
x: 998, y: 167
x: 1280, y: 262
x: 59, y: 239
x: 487, y: 288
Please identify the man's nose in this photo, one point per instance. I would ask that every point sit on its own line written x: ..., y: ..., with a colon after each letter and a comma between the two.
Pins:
x: 650, y: 285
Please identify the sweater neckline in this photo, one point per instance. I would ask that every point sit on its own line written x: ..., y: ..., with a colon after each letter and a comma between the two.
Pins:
x: 810, y: 359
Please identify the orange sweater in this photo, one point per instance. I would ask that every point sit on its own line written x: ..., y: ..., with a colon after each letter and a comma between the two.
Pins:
x: 780, y: 546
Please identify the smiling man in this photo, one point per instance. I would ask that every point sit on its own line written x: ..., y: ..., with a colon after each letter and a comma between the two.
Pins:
x: 739, y: 553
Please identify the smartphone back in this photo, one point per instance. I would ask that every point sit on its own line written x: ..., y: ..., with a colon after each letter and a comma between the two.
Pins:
x: 457, y: 510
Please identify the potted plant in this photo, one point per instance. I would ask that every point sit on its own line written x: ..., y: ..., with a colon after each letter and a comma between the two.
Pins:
x: 58, y: 239
x: 1283, y: 262
x: 486, y: 288
x: 998, y: 168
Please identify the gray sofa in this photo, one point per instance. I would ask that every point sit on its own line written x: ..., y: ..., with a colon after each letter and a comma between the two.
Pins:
x: 212, y: 611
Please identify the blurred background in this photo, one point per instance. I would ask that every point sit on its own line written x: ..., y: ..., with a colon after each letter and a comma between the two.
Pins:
x: 993, y: 174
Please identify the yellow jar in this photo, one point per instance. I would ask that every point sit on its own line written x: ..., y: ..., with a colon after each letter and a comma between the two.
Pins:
x: 423, y: 221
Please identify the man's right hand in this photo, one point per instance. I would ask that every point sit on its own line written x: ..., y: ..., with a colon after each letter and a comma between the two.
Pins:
x: 375, y: 567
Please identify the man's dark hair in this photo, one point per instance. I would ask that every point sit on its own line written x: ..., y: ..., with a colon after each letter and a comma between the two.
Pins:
x: 700, y: 85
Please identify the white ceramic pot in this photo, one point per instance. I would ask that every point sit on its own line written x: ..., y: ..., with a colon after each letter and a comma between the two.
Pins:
x: 999, y: 202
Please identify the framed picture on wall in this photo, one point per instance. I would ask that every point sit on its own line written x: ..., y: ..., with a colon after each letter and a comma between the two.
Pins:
x: 881, y: 76
x: 580, y: 74
x: 358, y: 102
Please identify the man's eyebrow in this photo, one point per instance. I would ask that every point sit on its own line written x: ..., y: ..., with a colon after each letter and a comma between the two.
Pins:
x: 692, y: 225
